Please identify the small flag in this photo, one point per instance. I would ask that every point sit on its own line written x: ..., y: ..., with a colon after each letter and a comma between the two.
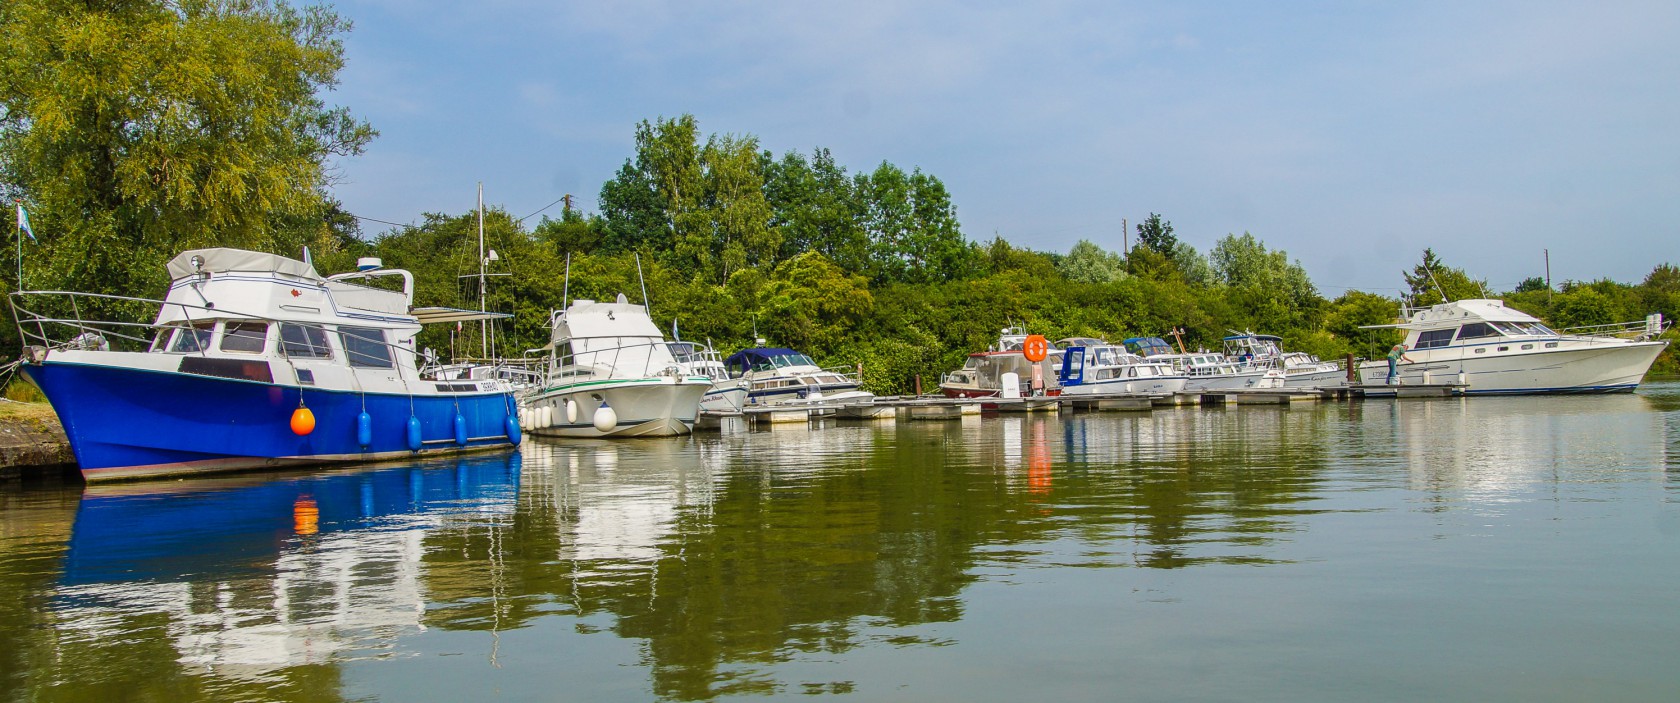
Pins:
x: 23, y: 223
x: 674, y: 334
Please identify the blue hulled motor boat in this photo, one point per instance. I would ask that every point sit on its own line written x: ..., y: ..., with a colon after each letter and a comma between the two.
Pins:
x: 253, y: 360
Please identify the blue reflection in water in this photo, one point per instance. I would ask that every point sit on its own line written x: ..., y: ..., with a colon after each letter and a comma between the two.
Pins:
x: 233, y: 527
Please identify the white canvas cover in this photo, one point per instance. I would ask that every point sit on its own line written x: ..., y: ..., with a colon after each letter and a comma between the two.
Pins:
x: 222, y: 259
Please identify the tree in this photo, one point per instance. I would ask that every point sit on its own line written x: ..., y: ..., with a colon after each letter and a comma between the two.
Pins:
x: 1431, y: 279
x: 1157, y: 235
x: 1531, y: 285
x: 138, y: 129
x: 1088, y: 263
x: 1279, y: 292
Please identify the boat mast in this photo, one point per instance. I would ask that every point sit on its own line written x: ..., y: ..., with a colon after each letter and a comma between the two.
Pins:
x: 483, y: 325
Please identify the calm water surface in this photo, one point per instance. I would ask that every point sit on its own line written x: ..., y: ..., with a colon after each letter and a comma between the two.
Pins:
x: 1521, y: 549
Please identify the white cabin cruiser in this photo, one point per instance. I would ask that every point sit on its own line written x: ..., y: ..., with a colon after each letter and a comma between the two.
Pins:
x: 1300, y: 369
x: 727, y: 395
x: 254, y: 361
x: 1495, y: 349
x: 1095, y: 367
x: 1207, y: 371
x: 610, y: 373
x: 782, y: 376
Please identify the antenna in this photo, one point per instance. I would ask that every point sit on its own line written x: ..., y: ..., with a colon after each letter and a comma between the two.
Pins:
x: 1438, y: 288
x: 566, y: 288
x: 645, y: 302
x: 483, y: 325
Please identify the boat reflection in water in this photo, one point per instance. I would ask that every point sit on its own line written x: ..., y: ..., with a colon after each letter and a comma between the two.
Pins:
x: 250, y: 580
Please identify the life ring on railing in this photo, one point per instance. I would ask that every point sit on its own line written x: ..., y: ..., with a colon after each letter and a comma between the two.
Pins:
x: 1035, y: 348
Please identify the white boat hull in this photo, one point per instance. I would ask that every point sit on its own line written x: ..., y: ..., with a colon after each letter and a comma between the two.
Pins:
x: 727, y: 396
x: 1316, y: 378
x: 1236, y: 381
x: 1576, y: 366
x: 654, y: 407
x: 1158, y: 384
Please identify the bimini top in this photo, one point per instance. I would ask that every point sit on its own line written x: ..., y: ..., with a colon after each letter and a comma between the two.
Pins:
x: 1148, y: 346
x: 222, y: 259
x: 764, y: 358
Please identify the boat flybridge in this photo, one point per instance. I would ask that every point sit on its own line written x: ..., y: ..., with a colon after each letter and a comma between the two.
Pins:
x: 610, y: 373
x: 726, y: 395
x: 1300, y: 369
x: 1495, y: 349
x: 253, y: 360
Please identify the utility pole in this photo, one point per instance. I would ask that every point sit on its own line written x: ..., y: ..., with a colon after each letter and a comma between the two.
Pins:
x: 567, y: 199
x: 1125, y: 238
x: 1548, y: 255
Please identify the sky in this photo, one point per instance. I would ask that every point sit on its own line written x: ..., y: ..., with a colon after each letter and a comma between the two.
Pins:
x: 1350, y: 134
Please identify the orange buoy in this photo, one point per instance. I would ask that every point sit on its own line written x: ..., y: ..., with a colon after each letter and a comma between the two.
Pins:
x: 303, y: 421
x: 1035, y: 348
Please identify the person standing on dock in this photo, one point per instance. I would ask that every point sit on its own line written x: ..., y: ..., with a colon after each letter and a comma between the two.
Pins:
x: 1396, y: 355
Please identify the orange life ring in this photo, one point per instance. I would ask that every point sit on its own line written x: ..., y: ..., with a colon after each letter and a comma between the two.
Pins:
x: 1035, y: 348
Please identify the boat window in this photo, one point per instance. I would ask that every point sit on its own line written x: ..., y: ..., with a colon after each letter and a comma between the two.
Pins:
x: 1550, y: 345
x: 1477, y: 330
x: 246, y: 337
x: 1434, y: 338
x: 192, y: 339
x: 304, y: 341
x: 365, y: 346
x: 1528, y: 346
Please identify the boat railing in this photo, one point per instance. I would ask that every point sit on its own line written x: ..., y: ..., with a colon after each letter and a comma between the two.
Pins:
x: 1641, y: 330
x: 629, y: 361
x: 50, y: 329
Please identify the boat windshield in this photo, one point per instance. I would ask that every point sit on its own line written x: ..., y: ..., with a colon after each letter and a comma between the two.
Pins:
x: 1524, y: 328
x: 783, y: 361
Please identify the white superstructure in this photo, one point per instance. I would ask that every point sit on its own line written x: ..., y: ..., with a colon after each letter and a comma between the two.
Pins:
x: 1495, y: 349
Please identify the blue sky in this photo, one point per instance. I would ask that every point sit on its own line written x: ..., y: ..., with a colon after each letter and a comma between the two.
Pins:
x: 1349, y: 134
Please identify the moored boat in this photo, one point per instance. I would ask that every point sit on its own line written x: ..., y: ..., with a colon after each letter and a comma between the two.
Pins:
x: 1095, y: 367
x: 726, y: 395
x: 782, y: 376
x: 1497, y: 350
x: 610, y: 373
x: 253, y: 360
x: 1207, y: 371
x: 1300, y: 369
x: 983, y: 374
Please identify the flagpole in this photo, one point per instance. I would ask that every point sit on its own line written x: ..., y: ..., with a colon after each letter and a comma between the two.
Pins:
x: 19, y: 204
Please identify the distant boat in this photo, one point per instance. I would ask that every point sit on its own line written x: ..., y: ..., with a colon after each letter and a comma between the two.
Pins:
x: 1300, y: 369
x: 610, y: 373
x: 1207, y: 371
x: 782, y: 376
x: 254, y: 360
x: 726, y: 395
x: 1095, y: 367
x: 1500, y: 350
x: 983, y: 374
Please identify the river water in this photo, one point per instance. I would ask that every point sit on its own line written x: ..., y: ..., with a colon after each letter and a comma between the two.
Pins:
x: 1486, y: 549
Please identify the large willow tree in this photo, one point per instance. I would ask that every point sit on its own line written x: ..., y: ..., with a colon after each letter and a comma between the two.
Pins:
x: 136, y: 128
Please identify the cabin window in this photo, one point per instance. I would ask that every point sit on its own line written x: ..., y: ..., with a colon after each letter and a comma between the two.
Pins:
x: 1476, y: 330
x: 1504, y: 349
x: 304, y: 341
x: 193, y: 339
x: 1527, y: 346
x: 244, y: 337
x: 1434, y: 338
x: 1481, y: 350
x: 365, y: 347
x: 1076, y: 363
x: 1550, y: 345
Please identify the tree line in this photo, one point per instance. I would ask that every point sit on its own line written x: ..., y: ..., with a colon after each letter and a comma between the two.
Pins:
x: 137, y: 130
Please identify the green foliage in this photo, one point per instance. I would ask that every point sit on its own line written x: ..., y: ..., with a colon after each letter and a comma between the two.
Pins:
x: 1088, y: 263
x: 137, y: 129
x: 1278, y: 293
x: 1156, y: 235
x: 1532, y: 284
x: 1431, y: 278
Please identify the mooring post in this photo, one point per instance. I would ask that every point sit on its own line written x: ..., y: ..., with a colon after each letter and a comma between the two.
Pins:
x: 918, y: 384
x: 1353, y: 373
